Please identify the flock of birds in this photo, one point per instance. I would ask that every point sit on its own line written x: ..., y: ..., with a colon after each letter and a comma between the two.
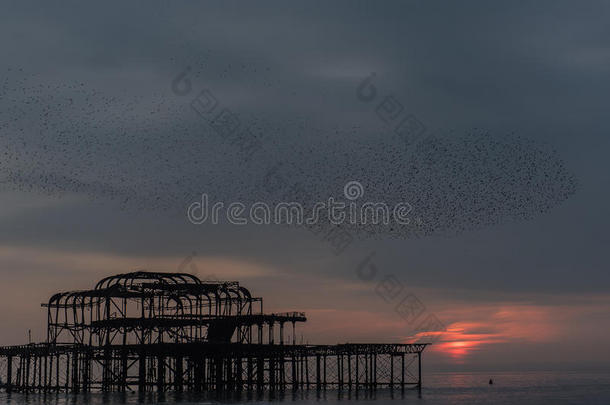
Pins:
x: 155, y: 153
x: 454, y: 182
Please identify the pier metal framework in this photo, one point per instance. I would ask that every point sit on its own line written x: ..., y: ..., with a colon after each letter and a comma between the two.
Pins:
x: 147, y: 331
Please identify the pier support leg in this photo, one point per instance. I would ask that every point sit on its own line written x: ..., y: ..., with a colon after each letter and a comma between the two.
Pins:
x: 349, y: 371
x: 178, y: 375
x: 391, y: 371
x: 142, y: 372
x: 324, y: 362
x: 9, y: 372
x: 419, y: 371
x: 294, y: 373
x: 402, y: 371
x: 318, y: 379
x: 160, y: 373
x: 250, y: 373
x: 260, y: 373
x: 75, y: 382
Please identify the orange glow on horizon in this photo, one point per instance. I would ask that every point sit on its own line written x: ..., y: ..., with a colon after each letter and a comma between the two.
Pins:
x: 457, y: 342
x: 508, y: 323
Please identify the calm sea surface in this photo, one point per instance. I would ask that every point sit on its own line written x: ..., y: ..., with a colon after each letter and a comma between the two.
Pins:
x: 439, y: 388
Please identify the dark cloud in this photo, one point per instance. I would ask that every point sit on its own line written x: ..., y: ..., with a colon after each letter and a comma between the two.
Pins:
x: 87, y: 108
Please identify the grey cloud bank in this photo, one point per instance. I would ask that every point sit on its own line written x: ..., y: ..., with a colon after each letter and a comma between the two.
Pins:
x: 512, y: 183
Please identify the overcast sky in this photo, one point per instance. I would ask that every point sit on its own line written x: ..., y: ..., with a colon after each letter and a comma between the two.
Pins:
x: 101, y: 156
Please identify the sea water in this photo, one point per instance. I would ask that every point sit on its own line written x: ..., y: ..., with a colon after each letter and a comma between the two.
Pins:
x: 456, y: 388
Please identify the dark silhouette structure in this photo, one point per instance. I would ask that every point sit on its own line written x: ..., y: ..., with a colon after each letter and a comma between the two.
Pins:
x: 150, y: 331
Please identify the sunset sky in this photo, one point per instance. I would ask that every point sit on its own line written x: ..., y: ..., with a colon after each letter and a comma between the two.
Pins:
x: 513, y: 292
